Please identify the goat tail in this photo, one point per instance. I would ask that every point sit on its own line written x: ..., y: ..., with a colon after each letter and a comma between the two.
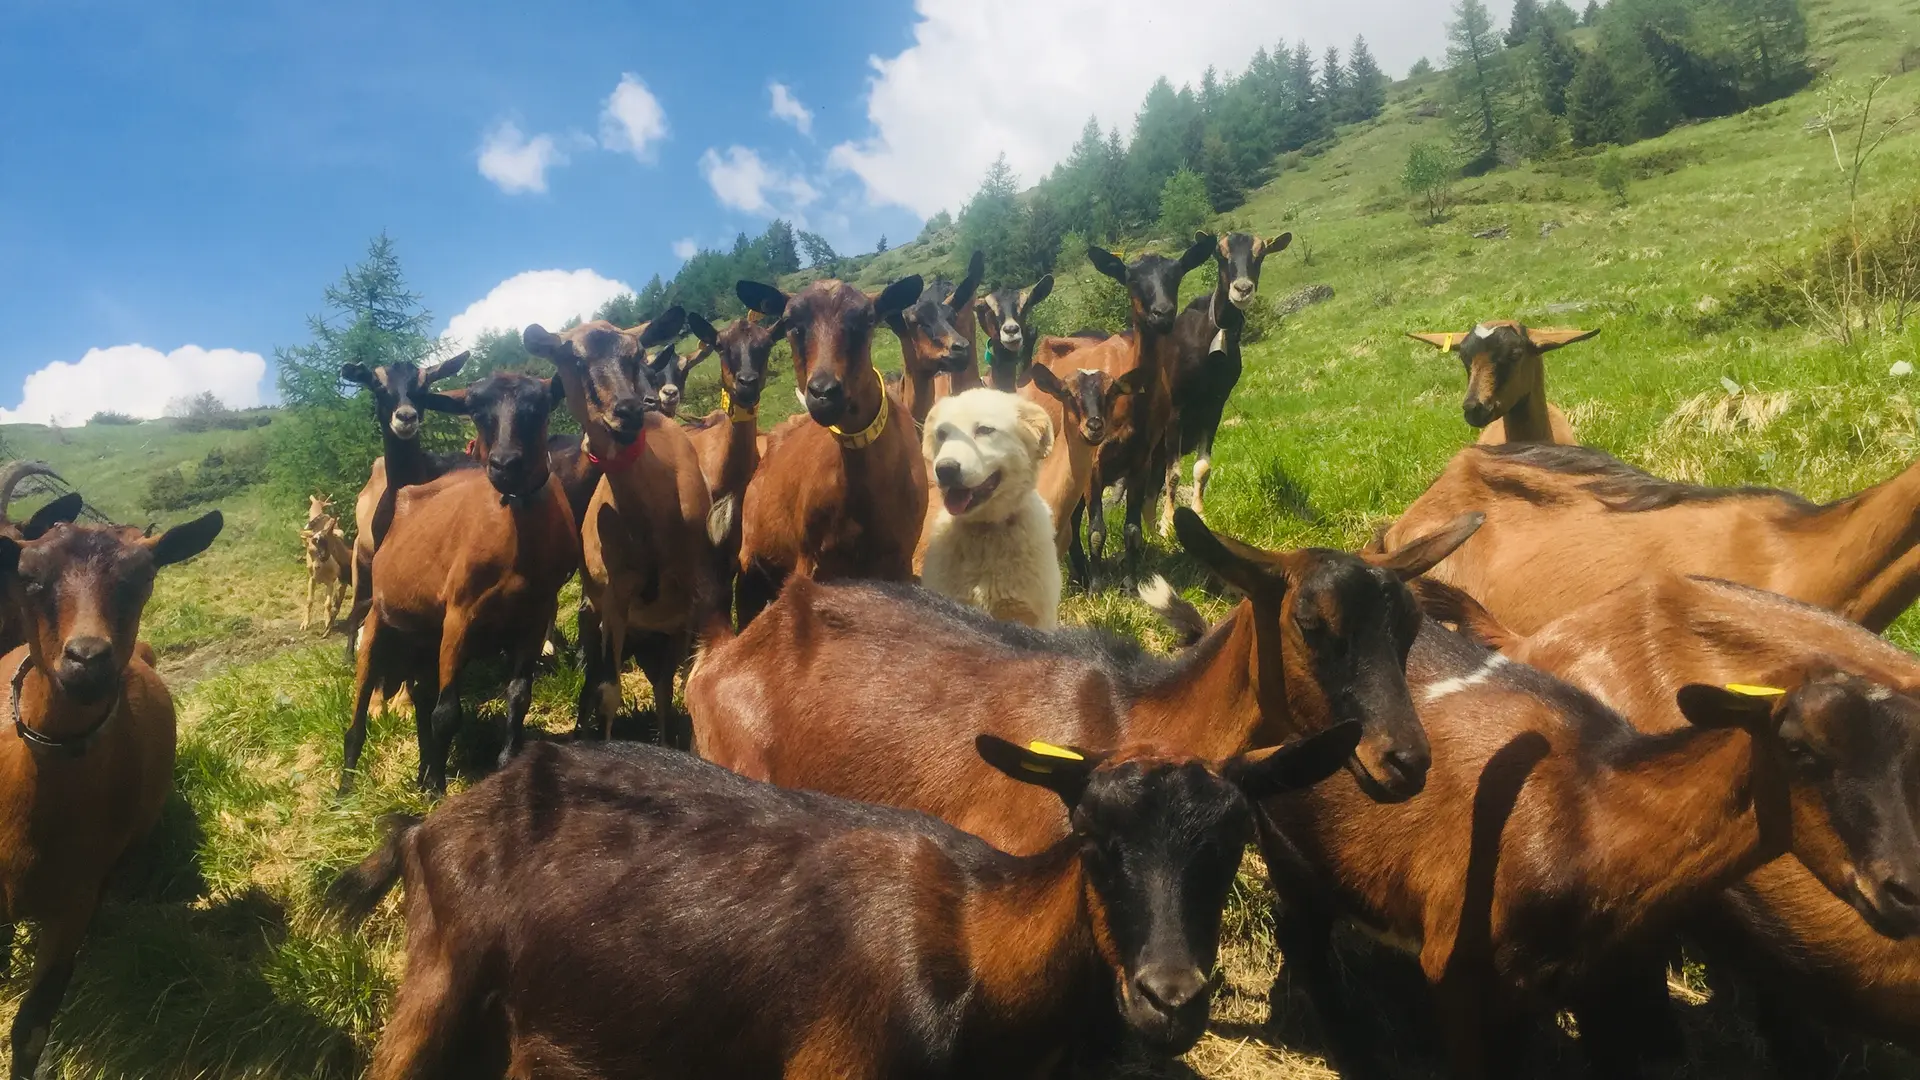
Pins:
x: 1452, y: 605
x: 720, y: 519
x: 355, y: 893
x: 1185, y: 619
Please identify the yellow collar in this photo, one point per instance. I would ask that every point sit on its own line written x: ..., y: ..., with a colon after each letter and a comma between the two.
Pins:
x: 738, y: 416
x: 862, y: 439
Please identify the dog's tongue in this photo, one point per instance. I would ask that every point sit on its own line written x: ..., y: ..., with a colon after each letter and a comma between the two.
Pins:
x: 958, y: 500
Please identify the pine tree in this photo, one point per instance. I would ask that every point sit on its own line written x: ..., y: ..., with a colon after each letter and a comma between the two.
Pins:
x: 820, y: 254
x: 881, y: 247
x: 1592, y: 15
x: 777, y: 244
x: 1596, y: 108
x: 1224, y: 187
x: 1480, y: 78
x: 1309, y: 112
x: 1526, y: 15
x: 1183, y: 205
x: 1333, y: 86
x: 1559, y: 15
x: 1556, y: 60
x: 1422, y: 66
x: 1366, y: 84
x: 992, y: 221
x: 1770, y: 39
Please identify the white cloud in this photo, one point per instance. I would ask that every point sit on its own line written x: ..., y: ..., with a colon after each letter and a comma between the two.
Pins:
x: 685, y: 248
x: 136, y: 380
x: 517, y: 163
x: 741, y: 181
x: 1030, y: 97
x: 632, y: 120
x: 547, y: 297
x: 787, y: 107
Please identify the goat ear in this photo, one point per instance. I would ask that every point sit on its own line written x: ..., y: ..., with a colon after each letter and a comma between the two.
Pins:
x: 445, y: 369
x: 1242, y: 566
x: 1045, y: 381
x: 764, y: 299
x: 1037, y: 423
x: 183, y: 542
x: 61, y: 511
x: 658, y: 362
x: 1131, y: 381
x: 963, y: 292
x: 541, y: 342
x: 453, y: 402
x: 1549, y: 340
x: 1276, y: 245
x: 702, y: 329
x: 1299, y: 764
x: 1031, y: 297
x: 667, y: 328
x: 1199, y: 252
x: 898, y: 296
x: 1107, y: 263
x: 1416, y: 557
x: 1062, y: 770
x: 357, y: 374
x: 1749, y: 707
x: 1443, y: 342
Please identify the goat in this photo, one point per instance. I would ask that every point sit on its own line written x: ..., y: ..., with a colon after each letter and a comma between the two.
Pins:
x: 1136, y: 447
x: 398, y: 390
x: 881, y: 943
x: 1554, y: 844
x: 329, y: 566
x: 1507, y: 380
x: 1208, y: 367
x: 727, y: 441
x: 1836, y: 947
x: 1007, y: 316
x: 61, y: 511
x: 670, y: 371
x: 317, y: 507
x: 1568, y: 524
x: 87, y: 763
x: 934, y: 342
x: 1321, y: 637
x: 474, y: 562
x: 842, y: 491
x: 1078, y: 407
x: 648, y: 560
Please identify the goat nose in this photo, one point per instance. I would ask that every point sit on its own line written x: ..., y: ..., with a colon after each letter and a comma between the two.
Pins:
x: 406, y: 414
x: 631, y: 411
x: 1901, y: 893
x: 87, y: 651
x: 1170, y: 988
x: 505, y: 462
x: 824, y: 387
x: 1410, y: 763
x: 947, y: 473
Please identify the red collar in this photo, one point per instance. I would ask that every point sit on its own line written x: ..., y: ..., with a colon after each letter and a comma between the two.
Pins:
x: 624, y: 458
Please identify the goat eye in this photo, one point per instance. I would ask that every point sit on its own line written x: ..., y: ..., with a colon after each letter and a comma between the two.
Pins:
x: 1805, y: 760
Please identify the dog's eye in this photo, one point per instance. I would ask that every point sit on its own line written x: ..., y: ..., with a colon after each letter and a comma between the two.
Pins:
x: 982, y: 431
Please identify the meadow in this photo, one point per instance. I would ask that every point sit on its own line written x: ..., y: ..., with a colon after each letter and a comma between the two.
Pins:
x: 213, y: 959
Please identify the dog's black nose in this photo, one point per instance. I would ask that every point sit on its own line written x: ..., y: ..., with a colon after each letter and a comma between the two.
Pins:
x: 947, y: 473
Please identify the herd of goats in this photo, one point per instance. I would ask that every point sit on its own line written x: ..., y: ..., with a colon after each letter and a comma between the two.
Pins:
x: 1586, y: 714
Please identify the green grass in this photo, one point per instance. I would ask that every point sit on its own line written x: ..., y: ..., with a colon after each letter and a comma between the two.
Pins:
x: 212, y: 959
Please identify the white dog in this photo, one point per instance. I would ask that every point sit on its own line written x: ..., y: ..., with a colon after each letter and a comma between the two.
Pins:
x: 991, y: 542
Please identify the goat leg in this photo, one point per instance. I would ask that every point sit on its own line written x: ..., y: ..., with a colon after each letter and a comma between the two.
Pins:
x: 58, y: 942
x: 363, y: 686
x: 6, y: 950
x: 362, y: 601
x: 1626, y: 1018
x: 1096, y: 529
x: 1135, y: 544
x: 1171, y: 492
x: 446, y: 711
x: 519, y: 700
x: 306, y: 612
x: 1076, y: 554
x: 593, y: 664
x: 1304, y: 933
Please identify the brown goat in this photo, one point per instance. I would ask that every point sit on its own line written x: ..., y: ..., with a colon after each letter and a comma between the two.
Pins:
x: 1006, y: 315
x: 936, y: 341
x: 1321, y: 637
x: 648, y: 570
x: 1555, y: 845
x: 727, y: 440
x: 841, y: 492
x: 1840, y: 949
x: 1568, y: 524
x: 473, y: 562
x: 780, y: 933
x: 87, y: 763
x: 399, y: 390
x: 1507, y: 380
x: 329, y: 568
x: 1078, y: 405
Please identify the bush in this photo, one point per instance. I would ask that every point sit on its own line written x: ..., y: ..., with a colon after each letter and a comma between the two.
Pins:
x: 1613, y: 176
x: 111, y: 419
x: 1086, y: 299
x: 1428, y: 177
x: 219, y: 474
x: 1184, y: 205
x: 205, y: 412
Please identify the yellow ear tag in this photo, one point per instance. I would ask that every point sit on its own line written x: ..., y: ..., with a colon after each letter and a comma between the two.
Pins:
x: 1756, y: 691
x: 1446, y: 342
x: 1050, y: 750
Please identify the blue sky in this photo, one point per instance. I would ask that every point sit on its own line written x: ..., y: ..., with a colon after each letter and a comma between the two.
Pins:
x: 193, y: 174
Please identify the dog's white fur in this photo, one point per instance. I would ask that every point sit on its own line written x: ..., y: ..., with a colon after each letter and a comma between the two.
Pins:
x: 998, y: 555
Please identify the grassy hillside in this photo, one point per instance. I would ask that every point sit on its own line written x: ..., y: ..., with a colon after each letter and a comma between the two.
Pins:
x: 214, y: 962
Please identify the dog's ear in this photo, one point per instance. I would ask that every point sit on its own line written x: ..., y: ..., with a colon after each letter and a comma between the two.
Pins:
x: 1037, y: 424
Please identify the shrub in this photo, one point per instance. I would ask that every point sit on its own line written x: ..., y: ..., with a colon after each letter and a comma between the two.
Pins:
x: 219, y: 474
x: 1184, y: 204
x: 1428, y: 177
x: 111, y: 419
x: 1613, y: 176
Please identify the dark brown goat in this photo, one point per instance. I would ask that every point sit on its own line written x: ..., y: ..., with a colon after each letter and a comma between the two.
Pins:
x: 670, y: 371
x: 1321, y: 638
x: 473, y: 563
x: 1834, y: 948
x: 1006, y: 316
x: 1078, y: 403
x: 841, y: 492
x: 399, y: 390
x: 1568, y: 524
x: 87, y: 763
x: 1208, y: 369
x: 727, y: 440
x: 936, y: 341
x: 1554, y: 844
x: 647, y: 564
x: 716, y: 926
